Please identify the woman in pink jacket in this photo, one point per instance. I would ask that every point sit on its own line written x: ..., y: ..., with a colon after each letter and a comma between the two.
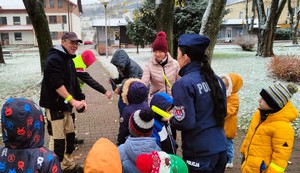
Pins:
x: 161, y: 71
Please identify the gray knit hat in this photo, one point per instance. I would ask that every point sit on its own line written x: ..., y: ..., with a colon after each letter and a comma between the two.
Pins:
x: 276, y: 95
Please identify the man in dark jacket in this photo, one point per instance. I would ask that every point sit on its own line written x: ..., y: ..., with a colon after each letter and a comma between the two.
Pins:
x: 127, y: 68
x: 59, y: 94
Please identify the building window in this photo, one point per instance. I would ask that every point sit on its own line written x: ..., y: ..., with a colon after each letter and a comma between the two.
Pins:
x: 17, y: 20
x: 60, y: 4
x: 28, y: 21
x: 18, y: 36
x: 52, y: 20
x: 51, y: 3
x: 3, y: 21
x: 64, y: 19
x: 241, y: 16
x: 54, y: 35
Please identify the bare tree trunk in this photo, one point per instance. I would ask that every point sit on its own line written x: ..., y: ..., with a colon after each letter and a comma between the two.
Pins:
x: 211, y: 23
x: 294, y: 25
x: 164, y: 21
x: 295, y: 28
x: 291, y: 14
x: 39, y: 21
x: 1, y: 55
x: 267, y: 26
x: 252, y: 16
x: 246, y: 17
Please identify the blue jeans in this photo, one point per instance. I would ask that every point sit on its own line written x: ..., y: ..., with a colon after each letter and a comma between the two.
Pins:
x: 230, y: 150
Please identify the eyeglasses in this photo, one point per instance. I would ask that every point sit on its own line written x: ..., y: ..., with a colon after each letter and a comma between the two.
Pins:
x: 73, y: 43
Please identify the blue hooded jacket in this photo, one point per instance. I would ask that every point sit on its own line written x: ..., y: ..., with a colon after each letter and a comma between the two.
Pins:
x: 133, y: 147
x: 161, y: 130
x: 23, y: 135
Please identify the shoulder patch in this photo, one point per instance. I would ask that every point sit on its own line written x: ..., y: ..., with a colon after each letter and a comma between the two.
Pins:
x: 179, y: 113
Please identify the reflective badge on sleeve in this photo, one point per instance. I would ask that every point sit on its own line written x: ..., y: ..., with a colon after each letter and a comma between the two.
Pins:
x: 179, y: 113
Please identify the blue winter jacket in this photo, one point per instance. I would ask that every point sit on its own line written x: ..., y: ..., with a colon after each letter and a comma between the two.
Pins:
x: 133, y: 147
x: 194, y: 114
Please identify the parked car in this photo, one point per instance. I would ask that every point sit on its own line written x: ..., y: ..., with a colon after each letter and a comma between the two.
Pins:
x: 87, y: 42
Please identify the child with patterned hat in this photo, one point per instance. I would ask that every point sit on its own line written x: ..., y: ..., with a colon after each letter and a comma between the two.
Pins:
x: 268, y: 144
x: 160, y: 162
x: 140, y: 140
x: 23, y: 135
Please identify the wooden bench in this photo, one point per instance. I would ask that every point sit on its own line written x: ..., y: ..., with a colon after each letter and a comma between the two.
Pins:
x: 7, y: 53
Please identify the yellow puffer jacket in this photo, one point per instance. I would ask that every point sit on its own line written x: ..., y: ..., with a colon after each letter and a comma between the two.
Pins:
x: 235, y: 83
x: 270, y: 141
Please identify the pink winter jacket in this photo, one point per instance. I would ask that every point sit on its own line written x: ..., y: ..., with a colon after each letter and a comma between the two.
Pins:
x: 153, y: 75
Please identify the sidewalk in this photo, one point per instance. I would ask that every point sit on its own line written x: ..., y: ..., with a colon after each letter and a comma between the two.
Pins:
x: 102, y: 117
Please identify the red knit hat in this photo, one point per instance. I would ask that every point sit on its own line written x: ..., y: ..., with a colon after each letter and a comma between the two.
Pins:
x: 88, y: 57
x: 160, y: 42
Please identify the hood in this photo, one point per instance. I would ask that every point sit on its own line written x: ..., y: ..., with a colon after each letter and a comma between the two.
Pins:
x: 104, y: 157
x: 235, y: 83
x: 135, y: 146
x: 134, y: 91
x: 120, y: 59
x: 22, y: 124
x: 288, y: 114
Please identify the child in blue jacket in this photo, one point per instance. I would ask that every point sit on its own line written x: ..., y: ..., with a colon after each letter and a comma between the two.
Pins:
x: 161, y: 130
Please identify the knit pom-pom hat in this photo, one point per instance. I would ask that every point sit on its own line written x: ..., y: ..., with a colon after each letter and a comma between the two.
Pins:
x: 160, y: 42
x: 88, y: 57
x: 277, y: 95
x: 160, y: 162
x: 141, y: 123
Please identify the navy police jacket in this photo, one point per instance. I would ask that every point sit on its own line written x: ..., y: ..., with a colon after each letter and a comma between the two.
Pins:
x: 194, y: 114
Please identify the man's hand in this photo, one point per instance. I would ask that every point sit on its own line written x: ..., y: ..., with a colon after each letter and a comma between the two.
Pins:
x: 78, y: 104
x: 108, y: 94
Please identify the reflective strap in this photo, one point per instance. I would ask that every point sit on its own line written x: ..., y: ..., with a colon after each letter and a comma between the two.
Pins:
x: 167, y: 80
x: 276, y: 167
x: 78, y: 61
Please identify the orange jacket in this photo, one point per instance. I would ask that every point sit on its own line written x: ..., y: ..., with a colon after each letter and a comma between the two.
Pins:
x: 270, y: 141
x: 104, y: 157
x: 235, y: 83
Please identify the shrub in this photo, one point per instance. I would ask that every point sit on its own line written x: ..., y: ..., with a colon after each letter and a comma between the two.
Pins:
x: 283, y: 34
x: 101, y: 49
x: 285, y: 68
x: 246, y: 42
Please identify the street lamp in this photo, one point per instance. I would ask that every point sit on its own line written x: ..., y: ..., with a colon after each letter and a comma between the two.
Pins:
x: 105, y: 3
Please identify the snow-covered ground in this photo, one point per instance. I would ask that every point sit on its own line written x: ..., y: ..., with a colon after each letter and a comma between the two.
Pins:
x: 21, y: 73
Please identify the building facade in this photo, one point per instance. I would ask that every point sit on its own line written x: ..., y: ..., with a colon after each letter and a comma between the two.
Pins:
x: 234, y: 23
x: 16, y: 27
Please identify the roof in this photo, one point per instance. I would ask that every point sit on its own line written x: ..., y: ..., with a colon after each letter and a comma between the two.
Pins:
x: 110, y: 22
x: 12, y: 4
x: 239, y: 22
x: 18, y: 4
x: 229, y: 2
x: 16, y: 28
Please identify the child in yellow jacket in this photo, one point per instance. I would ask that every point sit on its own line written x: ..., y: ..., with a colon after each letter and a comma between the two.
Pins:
x: 269, y: 142
x: 233, y: 83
